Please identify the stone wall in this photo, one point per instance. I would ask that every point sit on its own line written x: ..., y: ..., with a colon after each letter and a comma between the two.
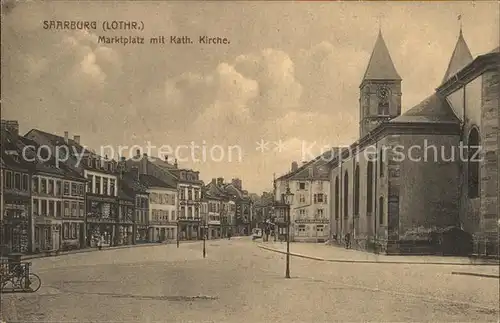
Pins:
x: 486, y: 240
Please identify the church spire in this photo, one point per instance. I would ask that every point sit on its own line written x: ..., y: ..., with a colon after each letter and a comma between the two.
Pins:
x: 380, y: 65
x: 460, y: 58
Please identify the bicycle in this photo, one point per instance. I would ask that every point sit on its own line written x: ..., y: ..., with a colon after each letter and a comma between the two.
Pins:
x: 19, y: 277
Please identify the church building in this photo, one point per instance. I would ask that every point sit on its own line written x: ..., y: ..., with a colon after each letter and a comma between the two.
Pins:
x: 425, y: 181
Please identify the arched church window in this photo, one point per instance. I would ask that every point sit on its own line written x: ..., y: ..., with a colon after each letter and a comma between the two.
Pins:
x: 381, y: 210
x: 346, y: 194
x: 473, y: 161
x: 356, y: 191
x: 383, y: 95
x: 369, y: 188
x: 337, y: 197
x: 381, y: 160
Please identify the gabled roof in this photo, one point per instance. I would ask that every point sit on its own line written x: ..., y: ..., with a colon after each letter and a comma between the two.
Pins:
x: 73, y: 148
x: 319, y: 165
x: 151, y: 181
x: 380, y: 65
x: 124, y: 194
x: 433, y: 109
x: 11, y: 153
x: 460, y: 58
x: 213, y: 190
x: 43, y: 162
x: 59, y: 140
x: 132, y: 184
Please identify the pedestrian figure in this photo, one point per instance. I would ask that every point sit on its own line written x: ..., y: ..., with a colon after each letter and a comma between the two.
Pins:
x: 100, y: 242
x: 229, y: 235
x: 347, y: 240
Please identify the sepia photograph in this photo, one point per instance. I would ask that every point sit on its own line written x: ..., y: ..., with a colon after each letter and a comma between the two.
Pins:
x: 250, y: 161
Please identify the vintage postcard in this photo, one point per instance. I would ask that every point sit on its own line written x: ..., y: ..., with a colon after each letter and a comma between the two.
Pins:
x: 249, y: 161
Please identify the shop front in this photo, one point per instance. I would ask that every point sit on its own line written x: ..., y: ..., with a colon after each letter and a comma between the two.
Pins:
x: 47, y: 234
x: 16, y: 225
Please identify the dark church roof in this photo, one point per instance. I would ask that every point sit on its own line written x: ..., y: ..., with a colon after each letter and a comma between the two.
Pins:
x: 380, y: 65
x: 433, y: 109
x: 460, y: 58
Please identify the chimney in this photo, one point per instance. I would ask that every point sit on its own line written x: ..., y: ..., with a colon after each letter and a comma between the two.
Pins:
x: 11, y: 126
x: 144, y: 164
x: 135, y: 172
x: 220, y: 181
x: 214, y: 181
x: 295, y: 166
x: 66, y: 135
x: 76, y: 139
x: 236, y: 182
x: 175, y: 163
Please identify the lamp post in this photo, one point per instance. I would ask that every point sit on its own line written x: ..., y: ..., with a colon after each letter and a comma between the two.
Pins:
x: 177, y: 232
x: 204, y: 235
x: 288, y: 200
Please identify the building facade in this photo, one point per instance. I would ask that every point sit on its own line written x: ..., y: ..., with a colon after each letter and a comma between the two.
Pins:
x: 130, y: 185
x: 189, y: 194
x: 162, y: 218
x: 125, y: 227
x: 215, y: 209
x: 15, y: 213
x: 310, y: 185
x: 395, y: 198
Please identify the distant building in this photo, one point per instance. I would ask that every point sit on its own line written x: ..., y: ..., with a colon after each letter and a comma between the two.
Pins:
x: 310, y: 185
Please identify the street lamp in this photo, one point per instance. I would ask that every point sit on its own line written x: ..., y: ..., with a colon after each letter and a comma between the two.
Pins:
x: 288, y: 200
x: 177, y: 232
x: 204, y: 235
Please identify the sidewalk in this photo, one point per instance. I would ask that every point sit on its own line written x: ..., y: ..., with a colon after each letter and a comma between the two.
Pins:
x: 322, y: 252
x: 85, y: 250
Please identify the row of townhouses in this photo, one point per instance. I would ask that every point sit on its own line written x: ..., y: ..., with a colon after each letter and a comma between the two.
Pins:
x: 426, y: 202
x: 50, y: 205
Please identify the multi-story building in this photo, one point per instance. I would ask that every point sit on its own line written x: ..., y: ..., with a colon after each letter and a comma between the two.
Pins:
x: 188, y: 186
x: 130, y: 185
x: 162, y: 217
x: 244, y: 205
x: 101, y: 208
x: 189, y: 194
x: 309, y: 213
x: 215, y: 208
x: 15, y: 195
x: 58, y: 199
x: 125, y: 234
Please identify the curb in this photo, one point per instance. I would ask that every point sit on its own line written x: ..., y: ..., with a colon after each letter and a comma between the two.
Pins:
x: 378, y: 262
x: 87, y: 250
x: 474, y: 274
x: 292, y: 253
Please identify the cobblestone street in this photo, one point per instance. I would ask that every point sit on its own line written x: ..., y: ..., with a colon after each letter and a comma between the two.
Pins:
x: 240, y: 282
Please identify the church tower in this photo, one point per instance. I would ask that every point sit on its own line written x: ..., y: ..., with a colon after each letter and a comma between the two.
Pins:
x: 380, y: 89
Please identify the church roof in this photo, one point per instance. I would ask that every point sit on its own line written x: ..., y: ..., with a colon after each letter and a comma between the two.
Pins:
x: 433, y: 109
x: 380, y: 65
x: 460, y: 58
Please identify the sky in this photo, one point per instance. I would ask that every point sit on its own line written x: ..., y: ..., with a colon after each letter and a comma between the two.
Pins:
x: 288, y: 79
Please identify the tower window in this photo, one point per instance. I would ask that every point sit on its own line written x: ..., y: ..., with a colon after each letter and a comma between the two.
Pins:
x: 383, y: 101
